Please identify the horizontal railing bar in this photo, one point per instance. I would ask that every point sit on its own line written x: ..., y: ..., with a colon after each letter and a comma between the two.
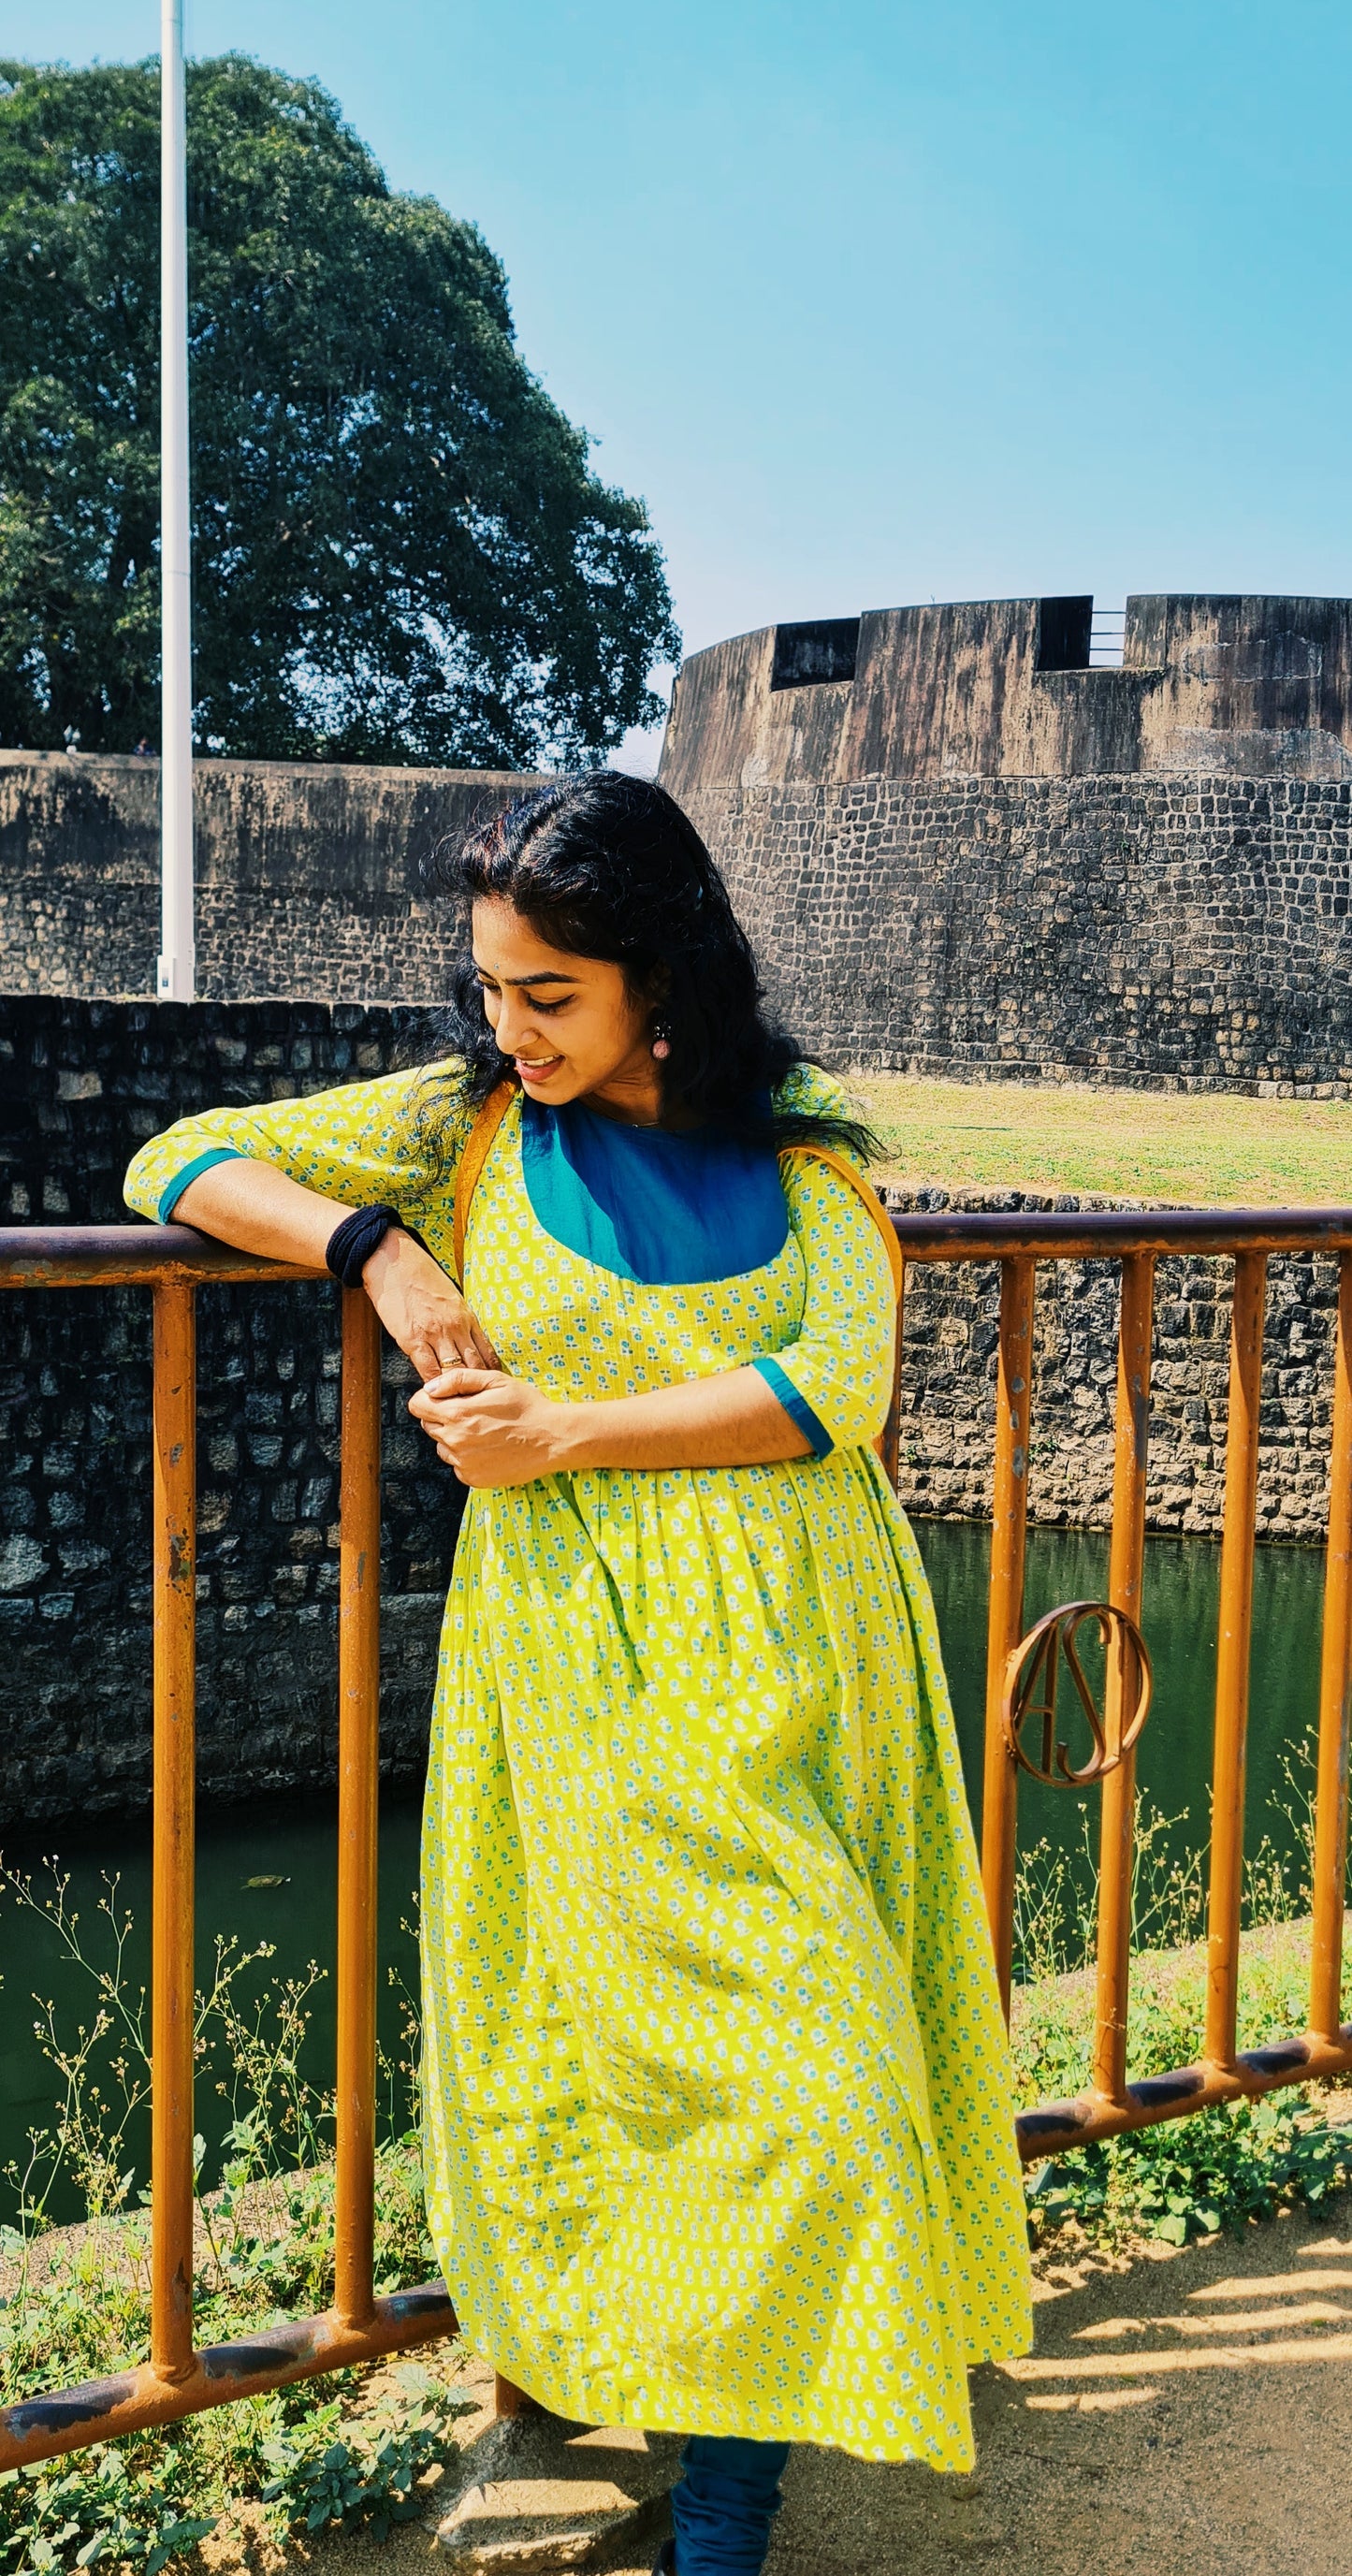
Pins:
x: 111, y: 1256
x: 1056, y: 2126
x: 1109, y: 1234
x: 128, y: 1256
x: 102, y: 2410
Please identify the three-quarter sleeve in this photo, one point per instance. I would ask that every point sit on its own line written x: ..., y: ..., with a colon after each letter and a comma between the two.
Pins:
x: 835, y: 1380
x: 396, y: 1139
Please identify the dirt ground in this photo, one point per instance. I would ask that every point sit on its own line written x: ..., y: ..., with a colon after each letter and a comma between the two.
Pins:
x: 1190, y: 2409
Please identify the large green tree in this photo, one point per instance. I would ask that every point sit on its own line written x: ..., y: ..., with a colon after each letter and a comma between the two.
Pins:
x: 400, y: 550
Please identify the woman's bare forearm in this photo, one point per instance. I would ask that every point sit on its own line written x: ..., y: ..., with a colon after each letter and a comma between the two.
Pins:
x: 259, y: 1209
x: 729, y: 1421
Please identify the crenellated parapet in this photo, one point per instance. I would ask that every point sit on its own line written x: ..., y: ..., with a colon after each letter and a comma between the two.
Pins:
x: 1252, y: 686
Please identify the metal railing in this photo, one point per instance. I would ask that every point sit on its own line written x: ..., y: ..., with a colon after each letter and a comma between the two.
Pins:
x: 1107, y: 639
x: 180, y: 2379
x: 1249, y: 1237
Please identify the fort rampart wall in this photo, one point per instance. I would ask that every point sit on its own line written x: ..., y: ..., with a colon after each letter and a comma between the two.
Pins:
x: 1165, y: 931
x: 310, y: 880
x: 1009, y: 688
x: 1189, y: 930
x: 1178, y: 932
x: 963, y: 847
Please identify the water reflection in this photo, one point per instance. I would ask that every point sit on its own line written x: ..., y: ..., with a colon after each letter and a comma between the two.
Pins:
x: 265, y: 1878
x: 1180, y: 1600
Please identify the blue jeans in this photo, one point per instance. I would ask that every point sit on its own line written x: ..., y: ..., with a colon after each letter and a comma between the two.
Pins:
x: 724, y: 2503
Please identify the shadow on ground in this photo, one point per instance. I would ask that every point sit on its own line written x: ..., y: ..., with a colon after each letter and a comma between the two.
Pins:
x: 1190, y: 2410
x: 1183, y: 2409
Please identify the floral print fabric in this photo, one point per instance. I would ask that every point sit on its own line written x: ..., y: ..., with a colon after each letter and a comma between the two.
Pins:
x: 718, y: 2118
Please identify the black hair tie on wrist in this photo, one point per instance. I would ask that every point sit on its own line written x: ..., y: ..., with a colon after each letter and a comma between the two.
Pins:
x: 356, y: 1237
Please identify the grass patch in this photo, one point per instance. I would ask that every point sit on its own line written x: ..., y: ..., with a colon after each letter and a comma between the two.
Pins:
x: 1207, y: 1150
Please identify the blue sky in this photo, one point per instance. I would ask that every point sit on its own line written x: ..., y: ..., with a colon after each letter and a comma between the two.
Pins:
x: 878, y: 303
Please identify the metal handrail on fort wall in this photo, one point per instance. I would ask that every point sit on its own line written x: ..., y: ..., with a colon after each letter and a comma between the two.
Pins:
x: 172, y: 1261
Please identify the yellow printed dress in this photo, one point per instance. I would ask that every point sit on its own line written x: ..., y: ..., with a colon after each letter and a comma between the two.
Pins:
x: 718, y: 2124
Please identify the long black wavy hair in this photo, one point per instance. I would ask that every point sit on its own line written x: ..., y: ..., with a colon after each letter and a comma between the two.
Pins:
x: 608, y: 866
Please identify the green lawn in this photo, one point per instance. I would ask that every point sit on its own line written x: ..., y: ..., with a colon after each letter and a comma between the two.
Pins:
x: 1203, y: 1149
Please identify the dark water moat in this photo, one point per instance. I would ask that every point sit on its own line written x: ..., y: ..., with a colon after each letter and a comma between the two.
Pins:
x: 292, y: 1852
x: 1180, y: 1601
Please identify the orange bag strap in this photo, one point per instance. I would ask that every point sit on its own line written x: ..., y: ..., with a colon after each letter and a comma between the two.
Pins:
x: 895, y: 1259
x: 472, y: 1161
x: 888, y: 1442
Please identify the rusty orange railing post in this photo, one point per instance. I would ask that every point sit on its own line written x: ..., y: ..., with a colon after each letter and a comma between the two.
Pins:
x: 358, y: 1793
x: 1126, y: 1566
x: 1335, y: 1697
x: 1233, y: 1640
x: 508, y: 2399
x: 1009, y: 1530
x: 174, y: 1401
x: 176, y: 2381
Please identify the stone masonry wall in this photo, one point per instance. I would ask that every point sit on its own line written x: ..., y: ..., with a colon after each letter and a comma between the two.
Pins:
x: 949, y: 1372
x: 309, y: 878
x: 1186, y: 932
x: 81, y: 1085
x: 1189, y: 931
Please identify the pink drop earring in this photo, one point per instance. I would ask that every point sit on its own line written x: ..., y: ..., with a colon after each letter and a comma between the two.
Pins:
x: 661, y: 1039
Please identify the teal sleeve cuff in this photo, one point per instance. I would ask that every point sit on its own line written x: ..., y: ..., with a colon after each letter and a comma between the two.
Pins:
x: 173, y: 1190
x: 796, y: 1406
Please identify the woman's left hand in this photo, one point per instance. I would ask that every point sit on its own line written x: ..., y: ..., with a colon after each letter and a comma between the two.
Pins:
x: 493, y: 1429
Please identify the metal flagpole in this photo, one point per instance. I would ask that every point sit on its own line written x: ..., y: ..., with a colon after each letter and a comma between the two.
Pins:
x: 175, y: 978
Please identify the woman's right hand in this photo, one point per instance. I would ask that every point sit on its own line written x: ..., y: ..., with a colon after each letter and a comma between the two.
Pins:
x: 422, y: 1309
x: 263, y: 1210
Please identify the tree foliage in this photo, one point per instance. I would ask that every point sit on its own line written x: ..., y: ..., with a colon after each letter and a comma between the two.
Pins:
x: 400, y: 551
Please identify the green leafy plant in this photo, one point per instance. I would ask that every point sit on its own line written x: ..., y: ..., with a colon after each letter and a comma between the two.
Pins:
x: 349, y: 2449
x: 327, y: 2470
x: 1221, y: 2167
x: 99, y: 2509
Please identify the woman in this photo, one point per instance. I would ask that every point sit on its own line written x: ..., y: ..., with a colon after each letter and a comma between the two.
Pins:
x: 718, y: 2126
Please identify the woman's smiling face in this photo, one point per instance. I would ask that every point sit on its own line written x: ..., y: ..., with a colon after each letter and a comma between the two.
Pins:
x: 571, y: 1025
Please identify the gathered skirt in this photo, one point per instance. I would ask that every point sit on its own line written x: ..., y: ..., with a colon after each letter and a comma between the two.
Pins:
x: 717, y: 2107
